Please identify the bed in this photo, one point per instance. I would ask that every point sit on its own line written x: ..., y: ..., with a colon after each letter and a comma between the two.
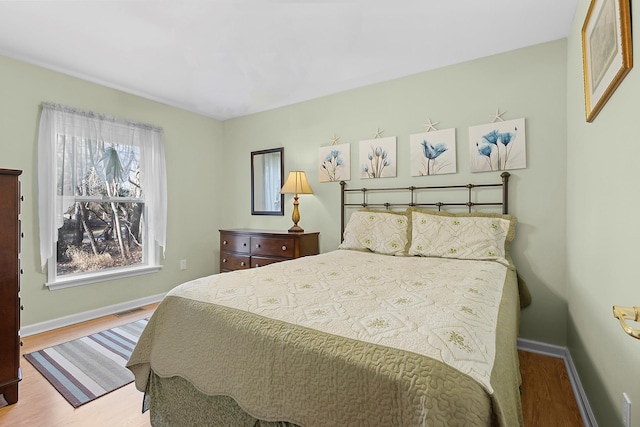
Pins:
x: 396, y: 327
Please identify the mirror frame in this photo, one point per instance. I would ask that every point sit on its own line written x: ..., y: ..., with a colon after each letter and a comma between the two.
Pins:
x: 254, y: 190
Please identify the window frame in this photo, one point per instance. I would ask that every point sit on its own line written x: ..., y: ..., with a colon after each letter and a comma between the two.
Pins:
x: 67, y: 122
x: 150, y: 257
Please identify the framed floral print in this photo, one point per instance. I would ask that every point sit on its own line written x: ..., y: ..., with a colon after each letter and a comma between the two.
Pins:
x: 433, y: 153
x: 498, y: 146
x: 606, y: 51
x: 334, y: 163
x: 377, y: 158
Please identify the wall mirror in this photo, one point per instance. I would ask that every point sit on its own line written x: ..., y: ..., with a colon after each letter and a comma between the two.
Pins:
x: 267, y: 176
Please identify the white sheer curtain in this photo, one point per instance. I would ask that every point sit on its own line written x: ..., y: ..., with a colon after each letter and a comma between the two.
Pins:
x: 59, y: 121
x: 272, y: 182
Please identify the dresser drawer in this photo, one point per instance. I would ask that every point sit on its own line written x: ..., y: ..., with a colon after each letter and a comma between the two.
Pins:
x: 272, y: 246
x: 261, y: 261
x: 235, y: 243
x: 233, y: 261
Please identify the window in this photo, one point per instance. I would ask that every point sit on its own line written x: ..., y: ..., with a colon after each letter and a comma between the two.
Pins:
x: 102, y: 194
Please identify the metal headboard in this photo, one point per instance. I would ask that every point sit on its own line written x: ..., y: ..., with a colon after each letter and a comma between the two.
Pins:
x: 413, y: 191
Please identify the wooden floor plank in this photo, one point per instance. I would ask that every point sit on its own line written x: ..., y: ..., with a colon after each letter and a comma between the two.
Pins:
x: 547, y: 397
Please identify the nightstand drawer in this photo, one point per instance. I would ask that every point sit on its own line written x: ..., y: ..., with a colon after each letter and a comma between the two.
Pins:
x: 235, y: 243
x: 231, y: 261
x: 279, y: 247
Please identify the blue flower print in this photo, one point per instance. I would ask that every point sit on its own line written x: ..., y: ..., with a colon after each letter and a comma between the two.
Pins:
x: 431, y: 153
x: 490, y: 147
x: 378, y: 160
x: 331, y: 164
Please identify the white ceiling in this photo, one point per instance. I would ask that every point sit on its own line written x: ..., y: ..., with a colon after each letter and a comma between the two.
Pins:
x: 229, y: 58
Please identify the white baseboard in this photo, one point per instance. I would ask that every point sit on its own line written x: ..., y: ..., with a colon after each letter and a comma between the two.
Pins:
x: 563, y: 353
x: 88, y: 315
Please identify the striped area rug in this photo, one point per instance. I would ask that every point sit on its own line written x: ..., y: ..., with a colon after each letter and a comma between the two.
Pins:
x: 84, y: 369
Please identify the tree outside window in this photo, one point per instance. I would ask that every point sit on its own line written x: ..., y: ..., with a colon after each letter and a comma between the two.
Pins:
x: 104, y: 226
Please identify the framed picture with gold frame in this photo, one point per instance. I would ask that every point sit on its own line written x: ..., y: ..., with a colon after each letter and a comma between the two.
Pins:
x: 606, y: 51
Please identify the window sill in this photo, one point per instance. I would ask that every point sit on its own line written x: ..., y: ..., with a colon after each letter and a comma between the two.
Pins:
x: 102, y: 276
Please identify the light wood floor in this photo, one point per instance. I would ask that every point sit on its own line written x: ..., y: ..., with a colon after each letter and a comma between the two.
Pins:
x: 547, y: 398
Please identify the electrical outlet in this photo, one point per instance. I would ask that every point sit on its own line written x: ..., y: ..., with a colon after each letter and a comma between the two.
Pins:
x: 626, y: 410
x: 183, y: 264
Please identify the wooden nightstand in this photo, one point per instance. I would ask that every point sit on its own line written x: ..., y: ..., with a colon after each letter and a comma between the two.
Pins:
x: 246, y: 248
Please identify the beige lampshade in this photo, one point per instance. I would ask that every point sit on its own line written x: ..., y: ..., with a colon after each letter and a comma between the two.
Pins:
x: 296, y: 183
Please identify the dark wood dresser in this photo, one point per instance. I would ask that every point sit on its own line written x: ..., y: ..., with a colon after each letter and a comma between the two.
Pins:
x: 246, y: 248
x: 10, y: 235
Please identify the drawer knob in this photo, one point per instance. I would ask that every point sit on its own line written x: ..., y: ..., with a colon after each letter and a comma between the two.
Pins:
x: 244, y: 244
x: 284, y: 247
x: 257, y: 245
x: 242, y: 263
x: 257, y: 265
x: 224, y: 260
x: 21, y: 307
x: 224, y: 242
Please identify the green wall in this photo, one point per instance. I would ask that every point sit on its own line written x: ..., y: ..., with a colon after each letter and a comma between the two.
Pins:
x: 529, y: 83
x: 192, y: 145
x: 602, y: 264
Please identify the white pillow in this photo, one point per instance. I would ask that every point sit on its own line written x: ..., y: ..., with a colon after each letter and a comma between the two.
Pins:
x: 461, y: 236
x: 380, y: 232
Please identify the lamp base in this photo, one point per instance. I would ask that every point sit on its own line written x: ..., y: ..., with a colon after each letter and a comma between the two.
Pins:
x: 296, y: 229
x: 295, y: 217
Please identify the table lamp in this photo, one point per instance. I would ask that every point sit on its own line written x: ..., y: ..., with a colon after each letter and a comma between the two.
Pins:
x: 296, y: 183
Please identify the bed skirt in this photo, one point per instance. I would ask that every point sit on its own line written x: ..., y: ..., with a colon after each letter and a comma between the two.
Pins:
x: 176, y: 402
